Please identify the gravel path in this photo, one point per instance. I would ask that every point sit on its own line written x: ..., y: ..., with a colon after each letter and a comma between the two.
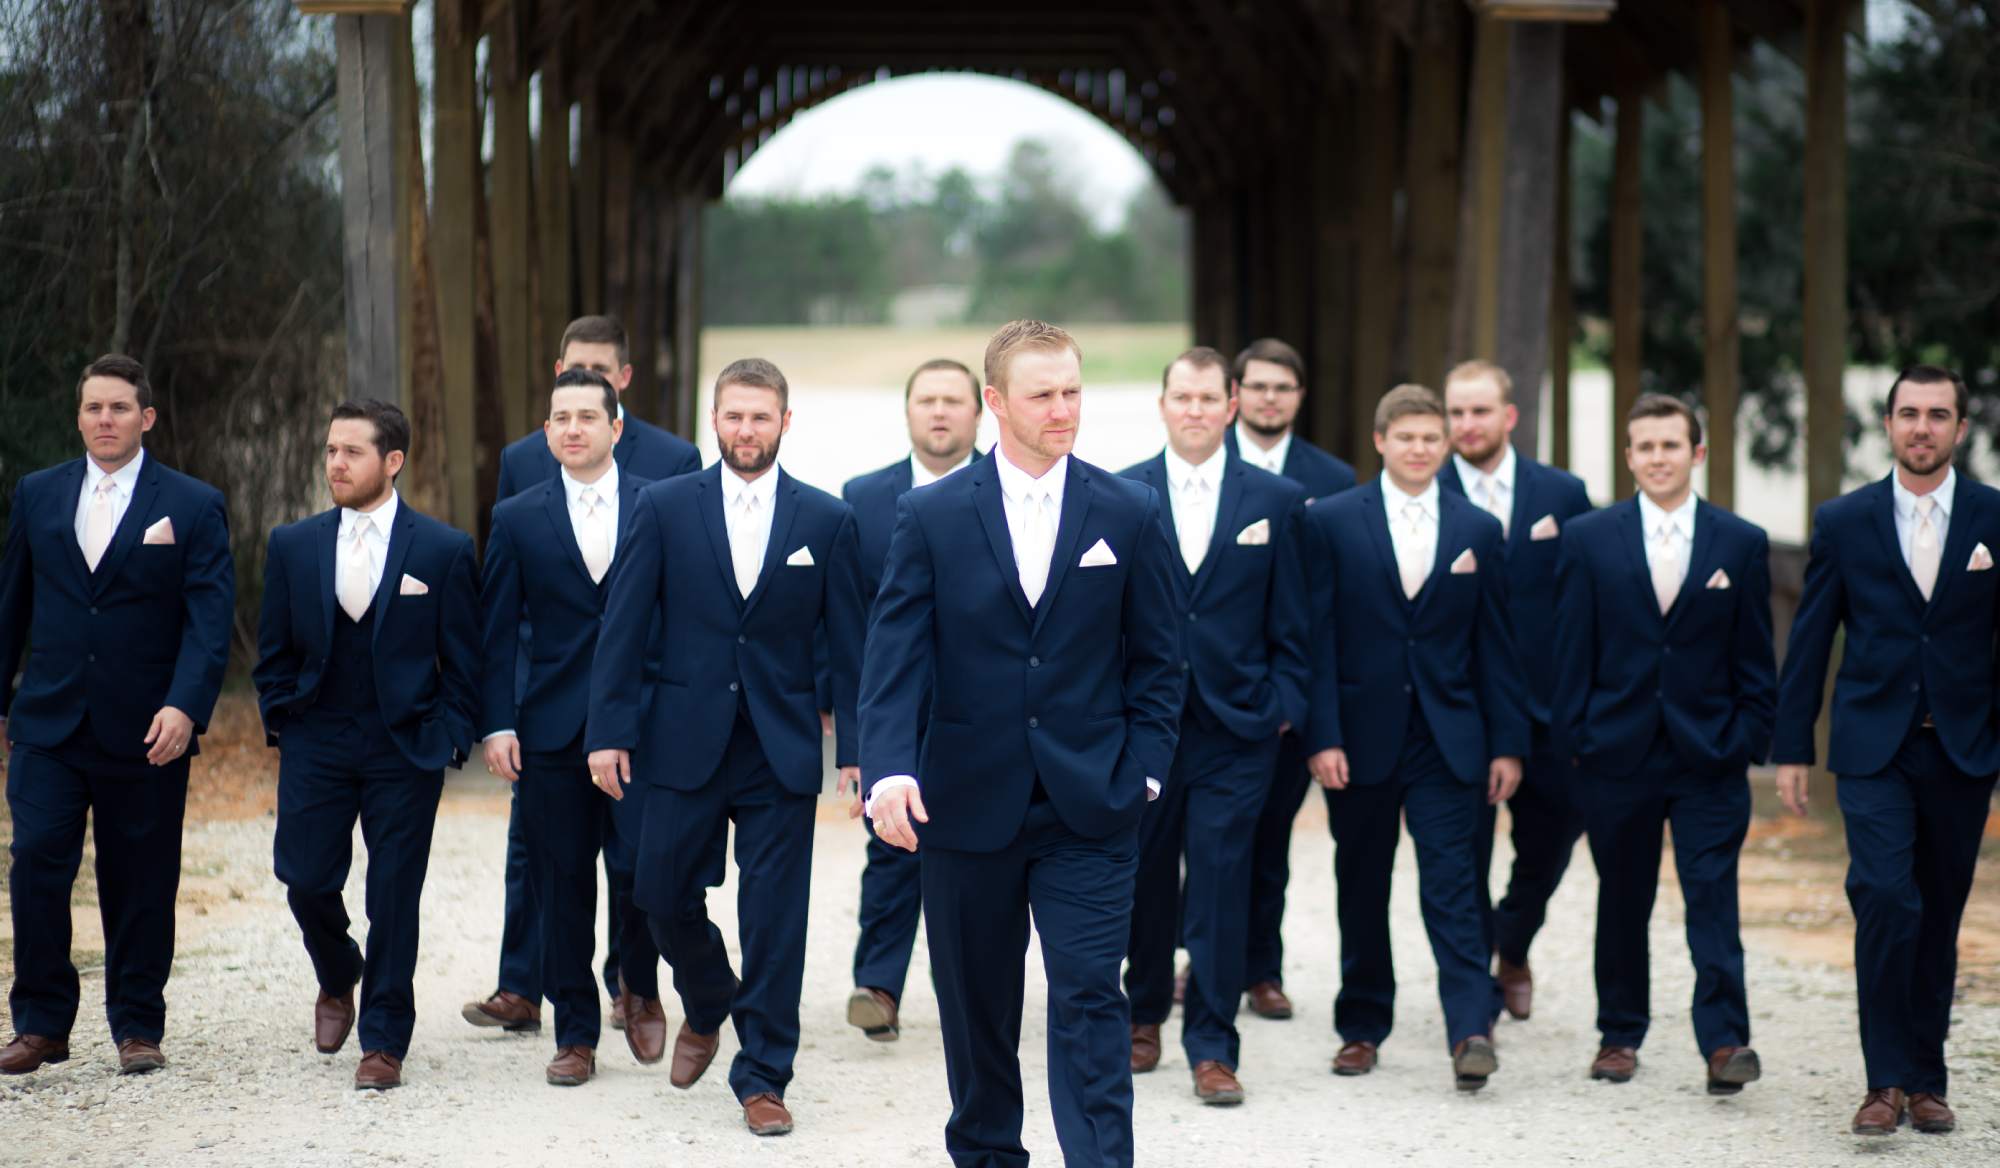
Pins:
x: 246, y: 1088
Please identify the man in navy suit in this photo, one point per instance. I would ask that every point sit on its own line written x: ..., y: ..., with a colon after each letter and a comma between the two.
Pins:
x: 1416, y: 715
x: 1021, y: 696
x: 368, y: 679
x: 741, y: 566
x: 1663, y: 698
x: 1532, y: 501
x: 1905, y: 565
x: 941, y: 402
x: 546, y: 564
x: 595, y: 344
x: 118, y: 584
x: 1243, y: 591
x: 1268, y: 379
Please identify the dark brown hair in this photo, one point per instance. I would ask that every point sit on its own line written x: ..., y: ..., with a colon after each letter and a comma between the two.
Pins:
x: 1201, y: 357
x: 392, y: 428
x: 1273, y: 350
x: 596, y: 330
x: 1663, y: 405
x: 1928, y: 375
x: 757, y: 373
x: 590, y: 378
x: 1405, y: 401
x: 123, y: 368
x: 936, y: 363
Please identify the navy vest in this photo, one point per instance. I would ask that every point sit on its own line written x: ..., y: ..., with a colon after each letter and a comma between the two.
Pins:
x: 348, y: 685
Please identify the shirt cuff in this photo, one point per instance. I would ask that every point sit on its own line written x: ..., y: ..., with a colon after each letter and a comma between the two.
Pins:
x: 1152, y: 789
x: 883, y: 784
x: 495, y: 734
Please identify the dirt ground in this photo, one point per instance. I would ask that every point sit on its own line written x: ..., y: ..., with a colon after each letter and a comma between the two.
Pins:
x: 245, y: 1087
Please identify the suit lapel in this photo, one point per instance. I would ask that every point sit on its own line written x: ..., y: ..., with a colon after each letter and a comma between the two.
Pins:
x: 1377, y: 522
x: 1957, y: 540
x: 709, y: 503
x: 400, y: 539
x: 1519, y: 526
x: 1450, y: 524
x: 783, y: 510
x: 130, y: 527
x: 992, y: 511
x: 1225, y: 523
x: 1699, y: 555
x: 555, y: 502
x: 1884, y: 509
x: 1076, y: 504
x: 628, y: 511
x: 72, y: 494
x: 1632, y: 533
x: 327, y: 541
x: 1155, y: 472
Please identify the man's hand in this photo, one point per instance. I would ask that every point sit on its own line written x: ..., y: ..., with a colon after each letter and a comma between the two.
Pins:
x: 1329, y: 768
x: 503, y: 756
x: 850, y: 780
x: 1503, y: 778
x: 168, y: 736
x: 896, y: 811
x: 825, y: 724
x: 610, y: 770
x: 1792, y: 786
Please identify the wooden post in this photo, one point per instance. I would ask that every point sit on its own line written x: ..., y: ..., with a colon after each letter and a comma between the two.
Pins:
x: 1527, y: 221
x: 513, y: 227
x: 590, y: 198
x: 1626, y: 257
x: 642, y: 324
x: 687, y: 313
x: 1825, y: 247
x: 1201, y: 285
x: 454, y: 251
x: 422, y: 480
x: 1229, y: 274
x: 375, y: 147
x: 1437, y: 112
x: 617, y: 225
x: 552, y: 200
x: 1376, y: 275
x: 1562, y: 301
x: 1329, y: 385
x: 1476, y: 313
x: 1720, y: 364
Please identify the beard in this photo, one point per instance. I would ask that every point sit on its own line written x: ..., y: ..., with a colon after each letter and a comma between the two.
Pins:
x: 1922, y: 462
x: 749, y: 464
x: 1255, y: 427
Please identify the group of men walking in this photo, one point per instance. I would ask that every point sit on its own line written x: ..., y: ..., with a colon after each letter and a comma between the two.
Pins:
x: 1088, y: 700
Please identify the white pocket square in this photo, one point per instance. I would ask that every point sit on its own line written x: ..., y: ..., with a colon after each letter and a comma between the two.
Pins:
x: 1256, y: 535
x: 1544, y: 528
x: 411, y: 586
x: 1466, y: 563
x: 163, y: 532
x: 803, y: 558
x: 1719, y: 580
x: 1098, y: 556
x: 1982, y: 560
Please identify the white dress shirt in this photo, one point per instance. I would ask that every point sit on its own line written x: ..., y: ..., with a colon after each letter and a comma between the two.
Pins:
x: 1494, y: 493
x: 1667, y: 534
x: 606, y: 508
x: 749, y: 532
x: 1414, y: 542
x: 379, y: 523
x: 1272, y: 460
x: 1194, y: 493
x: 921, y: 476
x: 123, y: 481
x: 1906, y: 510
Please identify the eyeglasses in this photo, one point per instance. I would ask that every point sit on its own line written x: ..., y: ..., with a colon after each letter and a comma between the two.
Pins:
x: 1267, y: 389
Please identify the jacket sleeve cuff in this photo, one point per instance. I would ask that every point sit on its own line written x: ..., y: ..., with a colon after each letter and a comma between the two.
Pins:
x: 882, y: 784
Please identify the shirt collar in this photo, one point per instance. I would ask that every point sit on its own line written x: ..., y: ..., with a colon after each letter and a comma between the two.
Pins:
x: 126, y: 476
x: 1016, y: 483
x: 1180, y: 470
x: 921, y: 476
x: 1906, y: 500
x: 1394, y: 499
x: 383, y: 517
x: 1651, y: 517
x: 1258, y: 456
x: 1472, y: 476
x: 763, y: 488
x: 606, y: 487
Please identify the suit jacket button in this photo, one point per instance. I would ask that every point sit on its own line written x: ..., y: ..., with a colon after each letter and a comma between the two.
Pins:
x: 733, y: 687
x: 1659, y: 693
x: 1034, y: 723
x: 742, y: 640
x: 93, y: 658
x: 93, y: 612
x: 1190, y: 616
x: 1184, y: 667
x: 1034, y: 662
x: 1915, y: 686
x: 1927, y: 636
x: 1406, y: 688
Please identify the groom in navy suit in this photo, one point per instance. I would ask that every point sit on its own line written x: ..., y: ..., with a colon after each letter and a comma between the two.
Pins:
x: 1906, y: 567
x: 1663, y: 698
x: 368, y: 679
x: 117, y: 584
x: 1021, y: 697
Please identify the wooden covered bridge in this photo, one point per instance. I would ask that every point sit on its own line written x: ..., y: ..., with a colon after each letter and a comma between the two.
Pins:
x: 1385, y: 182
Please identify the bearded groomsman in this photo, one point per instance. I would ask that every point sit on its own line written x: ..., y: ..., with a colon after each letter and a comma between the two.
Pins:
x: 368, y: 679
x: 1905, y: 567
x: 117, y: 583
x: 1532, y: 501
x: 739, y: 566
x: 1664, y: 692
x: 1243, y: 591
x: 941, y: 404
x: 1417, y: 717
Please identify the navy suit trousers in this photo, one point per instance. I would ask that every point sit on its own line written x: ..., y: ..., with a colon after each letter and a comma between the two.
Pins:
x: 135, y: 812
x: 332, y: 769
x: 1444, y: 817
x: 1547, y: 822
x: 680, y: 857
x: 1271, y: 862
x: 892, y: 902
x: 521, y: 920
x: 1079, y: 891
x: 1913, y: 835
x: 1710, y: 815
x: 1207, y: 812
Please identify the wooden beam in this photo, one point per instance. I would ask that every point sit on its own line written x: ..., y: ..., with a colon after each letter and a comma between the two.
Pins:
x: 1376, y: 277
x: 1721, y: 366
x: 374, y: 152
x: 1627, y: 235
x: 1335, y: 183
x: 513, y: 250
x: 1562, y: 301
x: 1825, y: 309
x: 589, y: 209
x: 553, y: 203
x: 619, y: 185
x: 642, y: 323
x: 455, y: 134
x: 1476, y: 313
x: 1527, y: 221
x: 687, y: 313
x: 422, y: 480
x: 1437, y: 114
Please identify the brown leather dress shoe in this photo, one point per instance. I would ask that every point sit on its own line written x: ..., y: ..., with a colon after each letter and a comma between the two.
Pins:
x: 692, y: 1054
x: 136, y: 1056
x: 507, y: 1010
x: 1930, y: 1114
x: 1730, y: 1067
x: 1268, y: 1000
x: 1472, y: 1060
x: 873, y: 1012
x: 1881, y: 1112
x: 617, y: 1015
x: 645, y: 1027
x: 1355, y: 1058
x: 765, y: 1115
x: 1615, y: 1064
x: 333, y: 1018
x: 1517, y: 989
x: 378, y: 1071
x: 573, y: 1066
x: 1216, y: 1085
x: 1180, y: 984
x: 30, y: 1052
x: 1145, y: 1047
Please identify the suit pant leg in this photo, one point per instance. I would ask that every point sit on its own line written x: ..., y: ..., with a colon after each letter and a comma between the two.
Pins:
x: 1546, y: 825
x: 563, y: 818
x: 520, y: 917
x: 676, y: 866
x: 1366, y: 822
x: 136, y: 815
x: 1271, y: 862
x: 1710, y: 816
x: 892, y: 901
x: 637, y: 956
x: 1223, y: 804
x: 774, y: 837
x: 398, y: 812
x: 614, y: 938
x: 1157, y: 892
x: 49, y: 801
x: 1626, y: 815
x: 976, y: 919
x: 1443, y: 814
x: 1879, y: 812
x: 319, y: 799
x: 1951, y: 817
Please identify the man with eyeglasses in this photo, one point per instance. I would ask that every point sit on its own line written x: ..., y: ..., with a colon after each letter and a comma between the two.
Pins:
x: 1269, y: 380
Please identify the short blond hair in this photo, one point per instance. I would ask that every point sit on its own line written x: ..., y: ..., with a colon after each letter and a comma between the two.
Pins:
x: 1019, y: 336
x: 1405, y: 401
x: 1480, y: 367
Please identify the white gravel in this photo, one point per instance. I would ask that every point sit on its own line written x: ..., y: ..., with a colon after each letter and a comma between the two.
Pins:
x: 245, y: 1087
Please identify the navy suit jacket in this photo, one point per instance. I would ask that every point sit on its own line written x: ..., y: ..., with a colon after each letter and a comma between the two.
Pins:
x: 716, y: 644
x: 1704, y: 670
x: 1320, y: 473
x: 1900, y: 650
x: 149, y: 628
x: 535, y: 573
x: 644, y: 450
x: 1373, y: 649
x: 1540, y: 491
x: 1082, y: 692
x: 426, y: 646
x: 1247, y: 623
